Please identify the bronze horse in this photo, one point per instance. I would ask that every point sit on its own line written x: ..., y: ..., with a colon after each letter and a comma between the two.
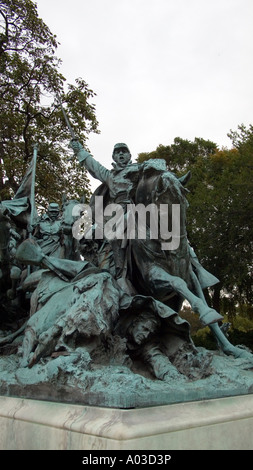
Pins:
x: 173, y: 275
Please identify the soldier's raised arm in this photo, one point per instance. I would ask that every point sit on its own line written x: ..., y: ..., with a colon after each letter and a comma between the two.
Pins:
x: 95, y: 168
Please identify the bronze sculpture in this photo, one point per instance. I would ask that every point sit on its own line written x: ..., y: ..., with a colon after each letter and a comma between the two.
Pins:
x: 116, y: 298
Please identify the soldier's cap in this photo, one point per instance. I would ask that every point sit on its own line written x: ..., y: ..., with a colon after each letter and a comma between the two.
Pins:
x: 119, y: 146
x: 53, y: 207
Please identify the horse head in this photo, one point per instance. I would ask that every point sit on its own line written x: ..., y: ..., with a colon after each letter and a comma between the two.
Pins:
x: 157, y: 183
x: 158, y: 186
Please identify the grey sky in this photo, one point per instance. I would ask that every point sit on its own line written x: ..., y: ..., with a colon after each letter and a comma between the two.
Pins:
x: 160, y: 68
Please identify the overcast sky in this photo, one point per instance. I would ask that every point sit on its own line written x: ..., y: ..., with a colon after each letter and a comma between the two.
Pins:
x: 160, y: 68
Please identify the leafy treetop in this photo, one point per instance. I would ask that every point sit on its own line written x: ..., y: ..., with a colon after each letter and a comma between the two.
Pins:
x: 30, y: 113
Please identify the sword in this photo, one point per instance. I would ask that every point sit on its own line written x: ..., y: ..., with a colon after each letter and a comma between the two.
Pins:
x: 66, y: 117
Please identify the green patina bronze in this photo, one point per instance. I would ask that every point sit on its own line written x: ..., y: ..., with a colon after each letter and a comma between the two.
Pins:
x: 97, y: 311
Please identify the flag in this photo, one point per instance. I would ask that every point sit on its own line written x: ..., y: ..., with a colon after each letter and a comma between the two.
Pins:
x: 22, y: 206
x: 25, y: 187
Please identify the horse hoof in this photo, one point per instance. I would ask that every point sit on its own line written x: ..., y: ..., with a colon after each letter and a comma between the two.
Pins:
x: 240, y: 353
x: 210, y: 316
x: 23, y: 363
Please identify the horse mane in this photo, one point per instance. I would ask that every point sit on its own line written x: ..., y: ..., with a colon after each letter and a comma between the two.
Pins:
x: 168, y: 182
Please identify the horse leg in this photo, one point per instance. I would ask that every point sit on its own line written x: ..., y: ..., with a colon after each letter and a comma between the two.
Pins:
x: 227, y: 347
x: 29, y: 343
x: 162, y: 280
x: 221, y: 339
x: 46, y: 344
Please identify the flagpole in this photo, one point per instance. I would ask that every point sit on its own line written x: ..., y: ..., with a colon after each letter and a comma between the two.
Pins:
x: 32, y: 198
x: 35, y: 152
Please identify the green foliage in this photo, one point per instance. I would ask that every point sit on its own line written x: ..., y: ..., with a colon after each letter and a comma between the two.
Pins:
x: 220, y: 225
x: 182, y: 154
x: 241, y: 337
x: 30, y: 113
x: 241, y: 323
x: 205, y: 339
x: 245, y: 310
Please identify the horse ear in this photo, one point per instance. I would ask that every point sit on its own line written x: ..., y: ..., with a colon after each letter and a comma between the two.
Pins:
x: 185, y: 178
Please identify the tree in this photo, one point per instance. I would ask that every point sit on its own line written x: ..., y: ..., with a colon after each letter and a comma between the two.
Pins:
x: 220, y: 226
x: 30, y: 113
x: 182, y: 154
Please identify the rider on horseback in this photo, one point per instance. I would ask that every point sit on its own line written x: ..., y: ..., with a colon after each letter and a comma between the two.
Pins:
x: 121, y: 183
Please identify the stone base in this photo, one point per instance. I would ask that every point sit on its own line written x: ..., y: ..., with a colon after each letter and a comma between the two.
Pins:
x: 225, y: 423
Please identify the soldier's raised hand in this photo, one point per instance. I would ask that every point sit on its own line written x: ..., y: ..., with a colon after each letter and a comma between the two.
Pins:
x: 75, y: 145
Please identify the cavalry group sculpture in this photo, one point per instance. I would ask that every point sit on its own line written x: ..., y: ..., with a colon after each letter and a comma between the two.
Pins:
x: 114, y: 298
